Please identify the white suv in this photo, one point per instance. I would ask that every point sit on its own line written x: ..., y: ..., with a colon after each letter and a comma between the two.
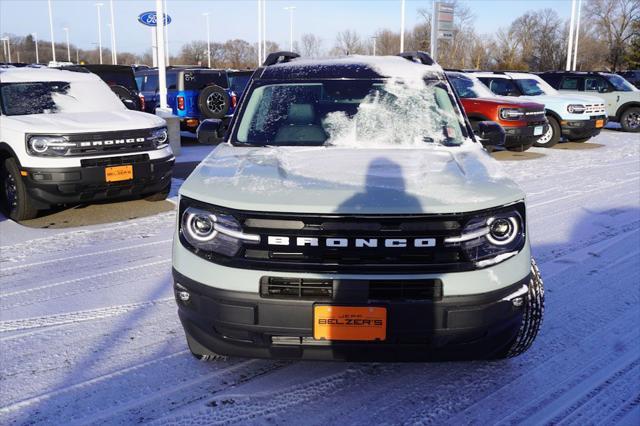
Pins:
x: 352, y: 214
x: 575, y: 117
x: 66, y: 138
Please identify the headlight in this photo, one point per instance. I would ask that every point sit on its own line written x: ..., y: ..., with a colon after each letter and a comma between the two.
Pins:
x: 491, y: 239
x: 575, y: 109
x: 213, y: 232
x: 511, y: 113
x: 160, y: 137
x: 49, y: 145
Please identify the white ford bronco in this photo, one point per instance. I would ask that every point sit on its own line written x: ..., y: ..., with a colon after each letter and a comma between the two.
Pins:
x: 351, y: 213
x: 66, y: 138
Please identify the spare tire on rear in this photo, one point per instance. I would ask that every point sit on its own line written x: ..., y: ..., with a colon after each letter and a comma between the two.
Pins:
x: 213, y: 102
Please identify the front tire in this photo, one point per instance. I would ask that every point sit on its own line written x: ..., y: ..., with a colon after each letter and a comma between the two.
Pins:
x: 552, y: 136
x: 531, y: 318
x: 630, y: 120
x: 16, y: 202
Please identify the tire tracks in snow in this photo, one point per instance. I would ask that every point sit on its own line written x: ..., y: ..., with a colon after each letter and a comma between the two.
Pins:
x: 80, y: 256
x: 75, y: 317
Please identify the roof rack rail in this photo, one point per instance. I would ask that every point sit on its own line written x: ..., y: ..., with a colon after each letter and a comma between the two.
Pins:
x: 275, y: 58
x: 418, y: 56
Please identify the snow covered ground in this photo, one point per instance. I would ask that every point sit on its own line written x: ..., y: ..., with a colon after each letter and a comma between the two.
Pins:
x: 89, y: 332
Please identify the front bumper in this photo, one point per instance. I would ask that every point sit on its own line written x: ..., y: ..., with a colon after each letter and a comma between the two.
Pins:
x: 70, y: 185
x: 519, y: 136
x: 246, y: 324
x: 581, y: 129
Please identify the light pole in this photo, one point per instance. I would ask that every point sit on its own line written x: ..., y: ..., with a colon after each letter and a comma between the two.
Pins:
x: 570, y: 46
x: 35, y: 39
x: 290, y: 9
x: 374, y: 45
x: 66, y: 30
x: 98, y: 6
x: 114, y: 55
x: 162, y: 71
x: 166, y: 31
x: 259, y: 32
x: 53, y: 45
x: 206, y: 15
x: 401, y: 25
x: 264, y: 30
x: 575, y: 50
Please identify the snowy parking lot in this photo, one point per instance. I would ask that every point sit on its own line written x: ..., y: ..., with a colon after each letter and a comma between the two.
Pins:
x: 89, y: 332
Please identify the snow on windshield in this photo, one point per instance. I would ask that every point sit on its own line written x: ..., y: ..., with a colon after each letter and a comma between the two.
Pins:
x: 408, y: 111
x: 51, y: 97
x: 401, y: 113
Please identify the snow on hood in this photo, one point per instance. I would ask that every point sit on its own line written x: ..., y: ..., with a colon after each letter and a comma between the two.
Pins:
x: 81, y: 122
x: 433, y: 179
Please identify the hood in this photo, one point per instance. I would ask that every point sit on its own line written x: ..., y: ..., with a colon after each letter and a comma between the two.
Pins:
x: 326, y: 180
x: 82, y: 122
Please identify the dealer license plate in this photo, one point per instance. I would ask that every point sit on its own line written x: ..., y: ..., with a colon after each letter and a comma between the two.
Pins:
x: 537, y: 131
x: 118, y: 173
x: 599, y: 124
x: 349, y: 322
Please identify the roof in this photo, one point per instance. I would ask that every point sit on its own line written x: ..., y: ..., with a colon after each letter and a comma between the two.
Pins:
x: 17, y: 75
x: 350, y: 67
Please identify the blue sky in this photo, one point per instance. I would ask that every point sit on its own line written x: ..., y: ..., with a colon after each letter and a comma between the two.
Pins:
x: 238, y: 18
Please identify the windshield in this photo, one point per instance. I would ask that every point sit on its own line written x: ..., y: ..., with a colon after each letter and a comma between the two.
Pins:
x: 350, y: 113
x: 620, y: 83
x: 50, y: 97
x: 530, y: 87
x: 469, y: 87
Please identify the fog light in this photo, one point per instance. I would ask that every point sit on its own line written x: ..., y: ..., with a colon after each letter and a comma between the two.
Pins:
x: 518, y: 301
x: 184, y: 296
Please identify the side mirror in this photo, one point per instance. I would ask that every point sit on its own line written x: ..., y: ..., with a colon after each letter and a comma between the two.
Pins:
x: 210, y: 131
x: 604, y: 89
x: 490, y: 134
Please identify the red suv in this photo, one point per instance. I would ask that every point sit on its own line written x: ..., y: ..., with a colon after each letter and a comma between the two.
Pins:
x: 524, y: 122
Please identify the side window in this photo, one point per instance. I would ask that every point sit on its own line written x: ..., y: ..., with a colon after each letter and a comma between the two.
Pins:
x: 140, y: 82
x: 595, y: 84
x: 571, y: 83
x: 151, y: 83
x: 172, y: 79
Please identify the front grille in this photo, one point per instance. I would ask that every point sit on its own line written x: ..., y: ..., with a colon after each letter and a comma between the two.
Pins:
x: 329, y: 290
x: 114, y: 161
x: 534, y: 115
x: 594, y: 109
x: 104, y: 143
x: 405, y: 244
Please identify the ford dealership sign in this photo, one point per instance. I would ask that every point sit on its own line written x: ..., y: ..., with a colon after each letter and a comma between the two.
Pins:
x: 150, y: 19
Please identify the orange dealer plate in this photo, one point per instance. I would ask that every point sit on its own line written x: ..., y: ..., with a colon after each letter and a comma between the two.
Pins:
x: 599, y: 124
x: 349, y: 322
x: 118, y: 173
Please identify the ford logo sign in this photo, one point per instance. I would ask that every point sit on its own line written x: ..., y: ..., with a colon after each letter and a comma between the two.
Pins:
x: 150, y: 18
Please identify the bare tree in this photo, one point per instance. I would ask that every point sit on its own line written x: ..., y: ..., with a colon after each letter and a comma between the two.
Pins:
x: 193, y: 53
x: 311, y: 45
x: 348, y: 43
x: 613, y: 20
